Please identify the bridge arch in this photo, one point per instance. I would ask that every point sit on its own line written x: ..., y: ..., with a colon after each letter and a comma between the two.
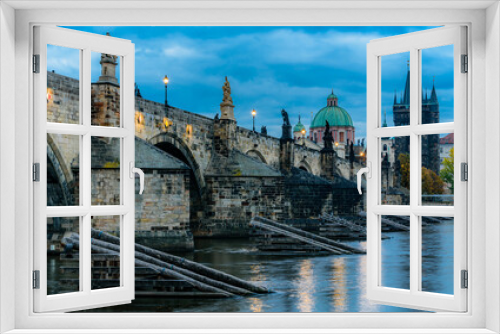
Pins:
x: 256, y: 154
x: 177, y: 147
x: 59, y: 173
x: 304, y: 165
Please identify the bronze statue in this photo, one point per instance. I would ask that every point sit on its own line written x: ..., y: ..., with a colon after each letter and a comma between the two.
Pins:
x: 286, y: 120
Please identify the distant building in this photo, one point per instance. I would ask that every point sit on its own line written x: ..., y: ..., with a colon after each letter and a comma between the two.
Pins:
x: 430, y: 114
x: 341, y: 126
x: 299, y: 130
x: 445, y: 145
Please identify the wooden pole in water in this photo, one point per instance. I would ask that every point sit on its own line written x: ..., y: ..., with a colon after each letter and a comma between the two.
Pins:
x: 343, y: 248
x: 155, y: 261
x: 298, y: 237
x: 158, y: 269
x: 186, y: 264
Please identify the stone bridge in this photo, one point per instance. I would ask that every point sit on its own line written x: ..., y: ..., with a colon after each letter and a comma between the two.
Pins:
x: 204, y: 176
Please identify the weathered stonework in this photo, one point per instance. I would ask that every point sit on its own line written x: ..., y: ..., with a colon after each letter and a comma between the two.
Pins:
x: 204, y: 176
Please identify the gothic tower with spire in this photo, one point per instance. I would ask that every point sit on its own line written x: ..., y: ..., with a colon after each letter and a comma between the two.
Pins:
x: 430, y: 114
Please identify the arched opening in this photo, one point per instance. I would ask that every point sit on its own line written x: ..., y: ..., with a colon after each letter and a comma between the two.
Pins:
x: 174, y: 146
x: 60, y: 178
x: 257, y: 155
x: 304, y: 165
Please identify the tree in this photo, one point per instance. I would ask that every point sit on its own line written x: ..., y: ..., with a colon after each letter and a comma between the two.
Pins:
x: 448, y: 171
x: 404, y: 161
x: 432, y: 184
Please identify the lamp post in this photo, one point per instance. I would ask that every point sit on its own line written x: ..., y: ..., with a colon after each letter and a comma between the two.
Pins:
x: 165, y: 81
x: 253, y: 117
x: 303, y: 136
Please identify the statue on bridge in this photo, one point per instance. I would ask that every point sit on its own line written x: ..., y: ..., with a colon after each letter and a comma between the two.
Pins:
x: 328, y: 138
x: 286, y: 120
x: 227, y: 100
x: 286, y: 127
x: 227, y: 107
x: 263, y: 130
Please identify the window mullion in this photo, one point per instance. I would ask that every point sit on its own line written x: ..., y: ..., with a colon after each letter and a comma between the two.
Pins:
x: 86, y: 170
x: 414, y: 169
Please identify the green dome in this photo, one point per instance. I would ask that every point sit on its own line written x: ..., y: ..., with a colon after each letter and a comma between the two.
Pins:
x: 335, y: 115
x: 332, y: 96
x: 299, y: 127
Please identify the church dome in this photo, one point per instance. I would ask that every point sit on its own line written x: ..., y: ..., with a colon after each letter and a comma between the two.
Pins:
x: 299, y: 127
x: 333, y: 113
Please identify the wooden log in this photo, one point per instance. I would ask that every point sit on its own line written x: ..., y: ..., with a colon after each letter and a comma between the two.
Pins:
x: 152, y: 260
x: 344, y: 222
x: 338, y: 246
x: 432, y: 220
x: 186, y: 264
x: 298, y: 237
x: 175, y: 294
x: 391, y: 223
x: 163, y: 271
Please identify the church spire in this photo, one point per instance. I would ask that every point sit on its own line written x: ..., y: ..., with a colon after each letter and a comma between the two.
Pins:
x: 406, y: 95
x: 434, y: 98
x: 385, y: 119
x: 395, y: 98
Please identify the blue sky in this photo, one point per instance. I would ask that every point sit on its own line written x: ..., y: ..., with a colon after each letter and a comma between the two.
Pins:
x: 270, y: 68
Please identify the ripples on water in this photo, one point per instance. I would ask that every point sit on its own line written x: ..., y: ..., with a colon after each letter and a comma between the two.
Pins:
x: 311, y: 284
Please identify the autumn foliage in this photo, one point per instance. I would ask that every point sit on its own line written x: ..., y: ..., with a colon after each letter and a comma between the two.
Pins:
x: 432, y: 184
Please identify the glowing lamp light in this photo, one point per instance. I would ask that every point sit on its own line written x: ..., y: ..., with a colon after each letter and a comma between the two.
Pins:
x: 166, y: 122
x: 303, y: 132
x: 254, y: 112
x: 189, y: 129
x: 165, y: 80
x: 139, y: 118
x: 336, y: 144
x: 49, y: 95
x: 361, y: 154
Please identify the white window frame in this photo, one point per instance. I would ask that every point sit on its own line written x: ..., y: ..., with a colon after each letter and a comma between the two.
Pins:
x: 413, y: 44
x: 484, y: 103
x: 85, y: 297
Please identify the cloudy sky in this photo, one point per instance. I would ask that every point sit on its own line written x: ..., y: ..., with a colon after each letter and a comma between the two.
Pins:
x: 271, y: 68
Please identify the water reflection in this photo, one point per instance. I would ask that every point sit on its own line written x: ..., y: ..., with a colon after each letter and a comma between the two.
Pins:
x: 304, y: 284
x: 339, y: 284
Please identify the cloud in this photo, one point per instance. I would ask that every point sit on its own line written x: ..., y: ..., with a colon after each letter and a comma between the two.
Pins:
x: 269, y: 68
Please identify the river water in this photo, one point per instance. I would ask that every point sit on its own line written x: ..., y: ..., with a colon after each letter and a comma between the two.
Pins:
x: 312, y: 284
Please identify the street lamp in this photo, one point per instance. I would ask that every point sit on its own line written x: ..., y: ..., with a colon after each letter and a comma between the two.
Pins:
x: 303, y: 133
x: 253, y: 116
x: 165, y: 81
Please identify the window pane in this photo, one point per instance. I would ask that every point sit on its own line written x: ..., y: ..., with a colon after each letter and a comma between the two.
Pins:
x: 395, y: 257
x: 395, y: 170
x: 437, y: 254
x: 437, y: 85
x: 63, y: 170
x: 105, y: 89
x: 105, y: 171
x: 105, y: 254
x: 63, y: 260
x: 437, y: 169
x: 395, y: 95
x: 63, y: 85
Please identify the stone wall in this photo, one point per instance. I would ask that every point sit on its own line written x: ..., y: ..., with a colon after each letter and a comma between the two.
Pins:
x: 233, y: 200
x: 308, y: 195
x: 162, y: 212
